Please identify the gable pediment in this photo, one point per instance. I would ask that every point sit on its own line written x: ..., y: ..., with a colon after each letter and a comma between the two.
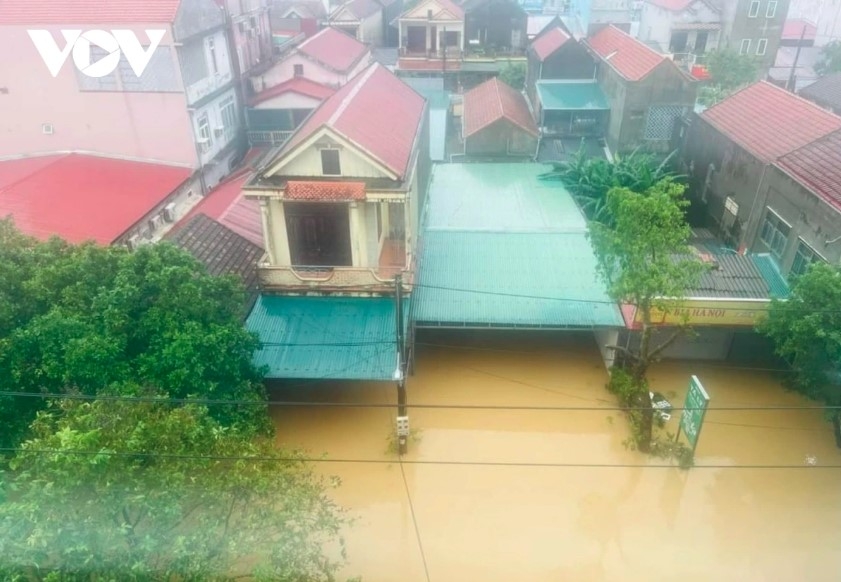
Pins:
x: 421, y: 11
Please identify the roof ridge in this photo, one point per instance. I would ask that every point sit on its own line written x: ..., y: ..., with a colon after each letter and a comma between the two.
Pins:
x: 502, y: 111
x: 354, y: 91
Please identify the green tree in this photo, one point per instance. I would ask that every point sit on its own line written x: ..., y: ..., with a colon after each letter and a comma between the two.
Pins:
x: 163, y: 493
x: 830, y: 59
x: 86, y: 318
x: 729, y: 71
x: 645, y: 260
x: 806, y: 331
x: 514, y: 75
x: 589, y: 179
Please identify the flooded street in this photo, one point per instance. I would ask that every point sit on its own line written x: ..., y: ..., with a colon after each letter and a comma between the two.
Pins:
x: 549, y: 495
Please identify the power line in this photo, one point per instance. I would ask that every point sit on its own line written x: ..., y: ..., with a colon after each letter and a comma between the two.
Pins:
x: 279, y: 459
x: 306, y: 404
x: 414, y: 519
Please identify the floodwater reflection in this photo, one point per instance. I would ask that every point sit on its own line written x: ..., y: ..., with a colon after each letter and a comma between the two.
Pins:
x: 491, y: 506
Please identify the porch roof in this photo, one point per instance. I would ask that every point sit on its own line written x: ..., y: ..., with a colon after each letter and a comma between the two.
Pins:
x: 341, y: 338
x: 571, y: 96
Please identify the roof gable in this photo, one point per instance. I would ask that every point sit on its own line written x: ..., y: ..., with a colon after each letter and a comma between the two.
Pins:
x: 441, y: 10
x: 769, y: 122
x: 817, y: 167
x: 87, y: 11
x: 494, y: 100
x: 626, y: 55
x: 298, y: 85
x: 334, y: 49
x: 376, y: 112
x: 549, y: 42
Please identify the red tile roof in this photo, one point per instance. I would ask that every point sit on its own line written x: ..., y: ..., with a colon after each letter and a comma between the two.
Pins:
x: 83, y: 197
x: 299, y: 85
x: 325, y: 191
x: 333, y: 48
x: 628, y: 56
x: 793, y: 29
x: 494, y: 100
x: 770, y: 122
x: 548, y: 42
x: 818, y: 167
x: 87, y: 11
x: 377, y: 112
x: 674, y: 5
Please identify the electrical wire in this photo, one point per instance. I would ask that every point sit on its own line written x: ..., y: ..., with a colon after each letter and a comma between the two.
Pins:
x: 414, y: 518
x: 280, y: 459
x: 313, y: 404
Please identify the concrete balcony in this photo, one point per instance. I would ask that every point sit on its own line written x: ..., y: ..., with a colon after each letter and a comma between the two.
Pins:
x: 379, y: 279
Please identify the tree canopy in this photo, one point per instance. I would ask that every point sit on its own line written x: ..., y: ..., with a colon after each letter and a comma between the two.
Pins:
x: 144, y: 490
x: 830, y: 59
x: 590, y: 178
x: 729, y: 71
x: 85, y: 318
x: 806, y: 331
x: 644, y: 259
x: 514, y: 75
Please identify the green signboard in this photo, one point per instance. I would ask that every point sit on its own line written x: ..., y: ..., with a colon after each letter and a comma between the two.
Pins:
x: 695, y: 408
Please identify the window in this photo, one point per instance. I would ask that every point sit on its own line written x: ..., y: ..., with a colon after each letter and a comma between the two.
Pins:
x: 299, y: 70
x: 193, y: 63
x: 753, y: 11
x: 771, y: 12
x: 804, y: 257
x: 745, y: 46
x: 228, y: 112
x: 205, y: 139
x: 330, y: 163
x: 775, y: 233
x: 761, y: 45
x: 211, y: 49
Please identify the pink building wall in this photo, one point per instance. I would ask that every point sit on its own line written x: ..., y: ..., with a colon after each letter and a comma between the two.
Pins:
x: 153, y: 126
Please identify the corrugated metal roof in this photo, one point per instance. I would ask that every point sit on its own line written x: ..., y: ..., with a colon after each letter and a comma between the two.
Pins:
x: 437, y: 134
x: 344, y: 338
x: 502, y: 248
x: 510, y: 279
x: 771, y: 273
x: 736, y: 276
x: 500, y: 197
x: 571, y: 95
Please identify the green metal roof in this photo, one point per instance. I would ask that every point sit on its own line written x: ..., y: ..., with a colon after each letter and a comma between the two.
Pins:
x: 500, y: 198
x: 437, y: 134
x: 512, y: 279
x: 571, y: 96
x: 502, y: 248
x: 778, y: 288
x: 343, y: 338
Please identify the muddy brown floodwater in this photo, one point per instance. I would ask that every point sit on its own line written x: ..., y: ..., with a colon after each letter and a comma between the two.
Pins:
x: 483, y: 514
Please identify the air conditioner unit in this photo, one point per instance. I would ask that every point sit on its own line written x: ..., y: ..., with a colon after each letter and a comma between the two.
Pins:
x: 133, y: 242
x: 155, y: 223
x: 169, y: 212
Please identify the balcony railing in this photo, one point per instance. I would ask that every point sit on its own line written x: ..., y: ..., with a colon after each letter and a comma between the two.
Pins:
x: 268, y: 138
x: 327, y: 278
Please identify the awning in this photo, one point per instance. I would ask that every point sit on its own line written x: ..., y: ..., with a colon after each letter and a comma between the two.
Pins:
x: 341, y: 338
x: 571, y: 96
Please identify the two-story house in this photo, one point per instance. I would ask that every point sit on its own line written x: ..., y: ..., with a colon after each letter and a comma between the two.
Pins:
x: 762, y: 173
x: 288, y: 92
x: 683, y: 28
x: 753, y: 27
x: 647, y: 92
x: 430, y: 27
x: 341, y: 198
x: 181, y: 109
x: 362, y: 19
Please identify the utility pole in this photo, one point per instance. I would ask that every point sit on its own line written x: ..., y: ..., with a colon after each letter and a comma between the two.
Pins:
x: 399, y: 373
x: 791, y: 79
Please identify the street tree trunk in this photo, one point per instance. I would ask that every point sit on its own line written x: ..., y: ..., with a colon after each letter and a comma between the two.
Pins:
x: 643, y: 400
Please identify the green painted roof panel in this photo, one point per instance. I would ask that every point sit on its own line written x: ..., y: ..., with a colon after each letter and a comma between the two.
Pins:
x: 500, y: 198
x: 777, y: 285
x: 571, y: 96
x: 510, y: 279
x: 343, y: 338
